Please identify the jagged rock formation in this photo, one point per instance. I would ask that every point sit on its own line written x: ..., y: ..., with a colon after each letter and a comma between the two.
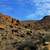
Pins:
x: 16, y: 36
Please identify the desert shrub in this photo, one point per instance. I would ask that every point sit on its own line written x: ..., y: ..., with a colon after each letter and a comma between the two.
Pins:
x: 28, y: 25
x: 45, y: 48
x: 11, y: 26
x: 18, y: 21
x: 48, y: 38
x: 25, y: 26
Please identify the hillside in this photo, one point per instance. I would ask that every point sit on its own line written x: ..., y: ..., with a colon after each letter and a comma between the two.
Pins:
x: 20, y: 35
x: 38, y: 24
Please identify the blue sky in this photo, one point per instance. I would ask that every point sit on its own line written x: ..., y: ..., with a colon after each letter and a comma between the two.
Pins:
x: 25, y: 9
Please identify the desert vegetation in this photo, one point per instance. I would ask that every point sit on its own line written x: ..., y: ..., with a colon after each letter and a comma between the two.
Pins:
x: 21, y: 35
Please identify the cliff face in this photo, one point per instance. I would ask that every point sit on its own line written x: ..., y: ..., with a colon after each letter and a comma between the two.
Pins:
x: 15, y: 34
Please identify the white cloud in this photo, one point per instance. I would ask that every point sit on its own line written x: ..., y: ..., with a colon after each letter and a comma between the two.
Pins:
x: 43, y: 8
x: 48, y: 12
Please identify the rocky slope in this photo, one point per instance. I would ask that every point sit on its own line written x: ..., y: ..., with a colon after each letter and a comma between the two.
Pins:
x: 17, y: 35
